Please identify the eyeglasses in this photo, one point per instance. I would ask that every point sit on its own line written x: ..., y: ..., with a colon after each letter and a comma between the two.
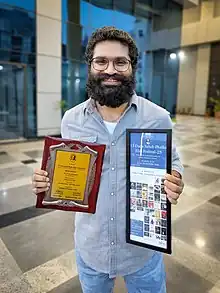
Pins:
x: 120, y: 64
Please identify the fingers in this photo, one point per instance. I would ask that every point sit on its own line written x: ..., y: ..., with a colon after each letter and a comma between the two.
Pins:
x: 173, y: 179
x: 173, y: 187
x: 172, y: 201
x: 40, y: 172
x: 40, y: 178
x: 39, y: 190
x: 37, y: 184
x: 171, y: 194
x: 40, y: 181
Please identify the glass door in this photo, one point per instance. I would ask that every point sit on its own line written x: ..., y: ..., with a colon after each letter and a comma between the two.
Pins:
x: 12, y: 101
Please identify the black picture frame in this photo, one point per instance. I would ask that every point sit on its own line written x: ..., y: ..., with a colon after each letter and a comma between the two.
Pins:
x: 168, y: 249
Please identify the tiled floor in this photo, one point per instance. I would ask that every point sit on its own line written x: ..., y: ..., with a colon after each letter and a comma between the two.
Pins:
x: 36, y: 246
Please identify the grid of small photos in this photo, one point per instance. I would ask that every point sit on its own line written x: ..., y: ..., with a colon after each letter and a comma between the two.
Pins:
x: 151, y: 200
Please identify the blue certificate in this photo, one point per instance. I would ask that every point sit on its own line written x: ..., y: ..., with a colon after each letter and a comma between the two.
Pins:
x: 148, y: 209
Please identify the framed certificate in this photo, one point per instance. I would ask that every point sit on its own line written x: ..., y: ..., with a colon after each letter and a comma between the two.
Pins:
x: 74, y: 171
x: 148, y: 211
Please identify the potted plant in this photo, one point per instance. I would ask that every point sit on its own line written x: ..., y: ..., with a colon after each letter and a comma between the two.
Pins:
x: 216, y: 103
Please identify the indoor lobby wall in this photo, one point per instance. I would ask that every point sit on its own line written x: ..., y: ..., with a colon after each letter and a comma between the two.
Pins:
x: 187, y: 76
x: 200, y: 28
x: 48, y: 67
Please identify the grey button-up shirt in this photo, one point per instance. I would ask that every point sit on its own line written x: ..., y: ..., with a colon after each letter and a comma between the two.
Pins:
x: 100, y: 237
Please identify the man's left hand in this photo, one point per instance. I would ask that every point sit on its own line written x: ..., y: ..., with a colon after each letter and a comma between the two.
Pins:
x: 173, y: 186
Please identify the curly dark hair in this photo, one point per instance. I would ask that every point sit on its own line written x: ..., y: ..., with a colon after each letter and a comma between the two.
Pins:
x: 107, y: 33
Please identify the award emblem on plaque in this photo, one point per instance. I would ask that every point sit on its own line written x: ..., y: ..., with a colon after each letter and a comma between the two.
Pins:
x: 74, y: 169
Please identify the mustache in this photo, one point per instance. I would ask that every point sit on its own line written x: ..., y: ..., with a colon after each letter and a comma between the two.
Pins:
x: 105, y: 76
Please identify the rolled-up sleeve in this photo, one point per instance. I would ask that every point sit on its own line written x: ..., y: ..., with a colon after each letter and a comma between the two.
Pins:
x: 176, y: 162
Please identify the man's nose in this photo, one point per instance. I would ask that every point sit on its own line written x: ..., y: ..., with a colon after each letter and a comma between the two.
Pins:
x: 110, y: 70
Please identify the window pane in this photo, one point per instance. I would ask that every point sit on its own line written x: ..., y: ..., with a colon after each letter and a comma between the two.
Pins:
x: 31, y: 101
x: 85, y: 13
x: 77, y: 12
x: 71, y: 40
x: 19, y: 57
x: 17, y: 29
x: 124, y: 21
x: 101, y: 15
x: 74, y: 76
x: 28, y: 5
x: 124, y: 6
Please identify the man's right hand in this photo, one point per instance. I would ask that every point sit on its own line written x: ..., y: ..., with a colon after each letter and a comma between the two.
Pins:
x: 40, y: 181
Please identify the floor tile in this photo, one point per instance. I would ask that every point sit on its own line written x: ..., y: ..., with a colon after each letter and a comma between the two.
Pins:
x: 195, y: 260
x: 34, y: 154
x: 210, y: 136
x: 199, y: 229
x: 8, y: 267
x: 40, y: 239
x: 198, y: 178
x: 213, y: 148
x: 17, y: 285
x: 187, y: 156
x: 14, y: 199
x: 182, y: 280
x: 73, y: 285
x: 5, y: 158
x: 27, y: 162
x: 215, y: 200
x: 12, y: 173
x: 183, y: 142
x: 53, y: 273
x: 214, y: 163
x: 21, y: 215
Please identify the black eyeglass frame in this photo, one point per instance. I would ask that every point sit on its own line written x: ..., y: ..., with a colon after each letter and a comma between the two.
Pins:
x: 107, y: 64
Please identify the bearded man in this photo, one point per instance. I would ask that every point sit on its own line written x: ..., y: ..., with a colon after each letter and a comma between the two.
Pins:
x: 113, y: 106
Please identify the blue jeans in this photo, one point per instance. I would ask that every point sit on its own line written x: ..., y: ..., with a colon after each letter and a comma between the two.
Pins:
x: 150, y: 279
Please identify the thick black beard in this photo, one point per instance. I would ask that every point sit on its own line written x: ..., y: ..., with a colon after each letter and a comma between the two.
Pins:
x: 110, y: 95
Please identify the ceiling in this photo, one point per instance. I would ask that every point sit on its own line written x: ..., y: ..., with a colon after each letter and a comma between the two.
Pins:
x: 188, y: 3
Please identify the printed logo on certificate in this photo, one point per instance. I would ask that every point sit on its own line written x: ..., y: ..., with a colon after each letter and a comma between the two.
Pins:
x: 148, y: 211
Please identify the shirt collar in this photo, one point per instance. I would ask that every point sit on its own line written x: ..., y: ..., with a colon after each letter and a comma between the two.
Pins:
x: 90, y: 104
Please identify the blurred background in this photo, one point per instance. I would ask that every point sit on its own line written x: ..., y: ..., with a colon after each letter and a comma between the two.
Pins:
x: 43, y: 73
x: 42, y: 68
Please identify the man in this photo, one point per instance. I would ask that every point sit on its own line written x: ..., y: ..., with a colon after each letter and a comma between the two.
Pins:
x: 101, y: 250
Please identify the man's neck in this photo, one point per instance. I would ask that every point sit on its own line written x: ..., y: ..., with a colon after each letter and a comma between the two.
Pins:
x: 111, y: 114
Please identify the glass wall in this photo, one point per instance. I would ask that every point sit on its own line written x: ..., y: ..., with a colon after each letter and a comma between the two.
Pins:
x: 157, y: 74
x: 17, y: 69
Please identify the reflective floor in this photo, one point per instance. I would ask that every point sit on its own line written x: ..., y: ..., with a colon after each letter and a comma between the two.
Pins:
x: 36, y: 246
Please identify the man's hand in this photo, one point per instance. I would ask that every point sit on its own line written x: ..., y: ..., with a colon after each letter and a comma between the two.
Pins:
x: 40, y: 181
x: 173, y: 186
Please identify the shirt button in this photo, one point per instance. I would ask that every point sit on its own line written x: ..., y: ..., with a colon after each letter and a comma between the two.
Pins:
x: 113, y: 143
x: 112, y: 219
x: 112, y: 193
x: 113, y: 169
x: 112, y: 243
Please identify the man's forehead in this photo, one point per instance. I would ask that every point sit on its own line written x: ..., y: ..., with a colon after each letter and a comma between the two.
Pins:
x: 111, y: 49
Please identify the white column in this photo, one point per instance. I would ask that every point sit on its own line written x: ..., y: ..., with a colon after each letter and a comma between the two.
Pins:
x: 48, y: 67
x: 186, y: 82
x: 202, y: 79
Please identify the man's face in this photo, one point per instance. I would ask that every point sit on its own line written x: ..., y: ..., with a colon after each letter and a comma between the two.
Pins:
x: 111, y: 81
